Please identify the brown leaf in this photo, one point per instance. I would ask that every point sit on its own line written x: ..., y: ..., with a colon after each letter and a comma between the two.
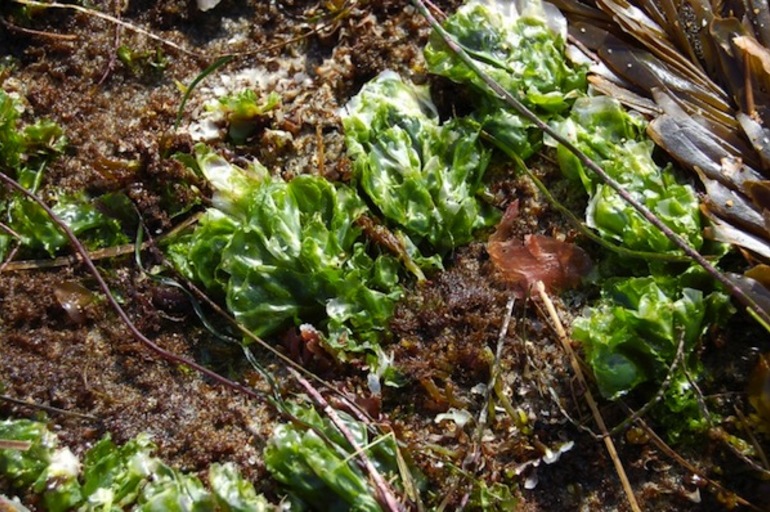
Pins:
x: 559, y: 265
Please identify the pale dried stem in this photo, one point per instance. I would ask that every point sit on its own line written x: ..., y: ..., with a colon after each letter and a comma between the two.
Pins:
x: 575, y: 363
x: 63, y: 261
x: 9, y: 444
x: 37, y: 33
x: 484, y: 414
x: 47, y: 408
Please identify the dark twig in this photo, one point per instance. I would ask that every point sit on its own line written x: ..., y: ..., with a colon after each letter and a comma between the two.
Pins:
x: 762, y: 315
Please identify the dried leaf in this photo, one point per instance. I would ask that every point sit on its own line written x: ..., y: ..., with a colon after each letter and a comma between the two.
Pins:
x: 559, y: 265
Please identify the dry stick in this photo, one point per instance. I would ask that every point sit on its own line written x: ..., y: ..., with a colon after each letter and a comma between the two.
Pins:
x: 63, y: 261
x: 385, y: 496
x: 610, y: 445
x: 519, y: 107
x: 48, y: 408
x: 135, y: 332
x: 9, y: 444
x: 99, y: 254
x: 38, y: 33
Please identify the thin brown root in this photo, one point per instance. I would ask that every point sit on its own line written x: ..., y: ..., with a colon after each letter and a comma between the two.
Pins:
x: 721, y: 435
x: 111, y: 19
x: 38, y: 33
x: 133, y: 28
x: 8, y: 444
x: 64, y: 261
x: 48, y: 408
x: 755, y: 443
x: 609, y: 444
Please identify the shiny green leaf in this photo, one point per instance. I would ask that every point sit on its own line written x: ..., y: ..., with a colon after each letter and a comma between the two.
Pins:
x: 421, y: 175
x: 315, y: 462
x: 285, y: 254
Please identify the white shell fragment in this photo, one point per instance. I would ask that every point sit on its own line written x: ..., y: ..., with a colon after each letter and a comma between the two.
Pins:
x: 205, y: 5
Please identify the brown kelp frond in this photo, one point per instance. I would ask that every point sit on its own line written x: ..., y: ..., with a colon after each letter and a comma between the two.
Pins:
x: 701, y: 70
